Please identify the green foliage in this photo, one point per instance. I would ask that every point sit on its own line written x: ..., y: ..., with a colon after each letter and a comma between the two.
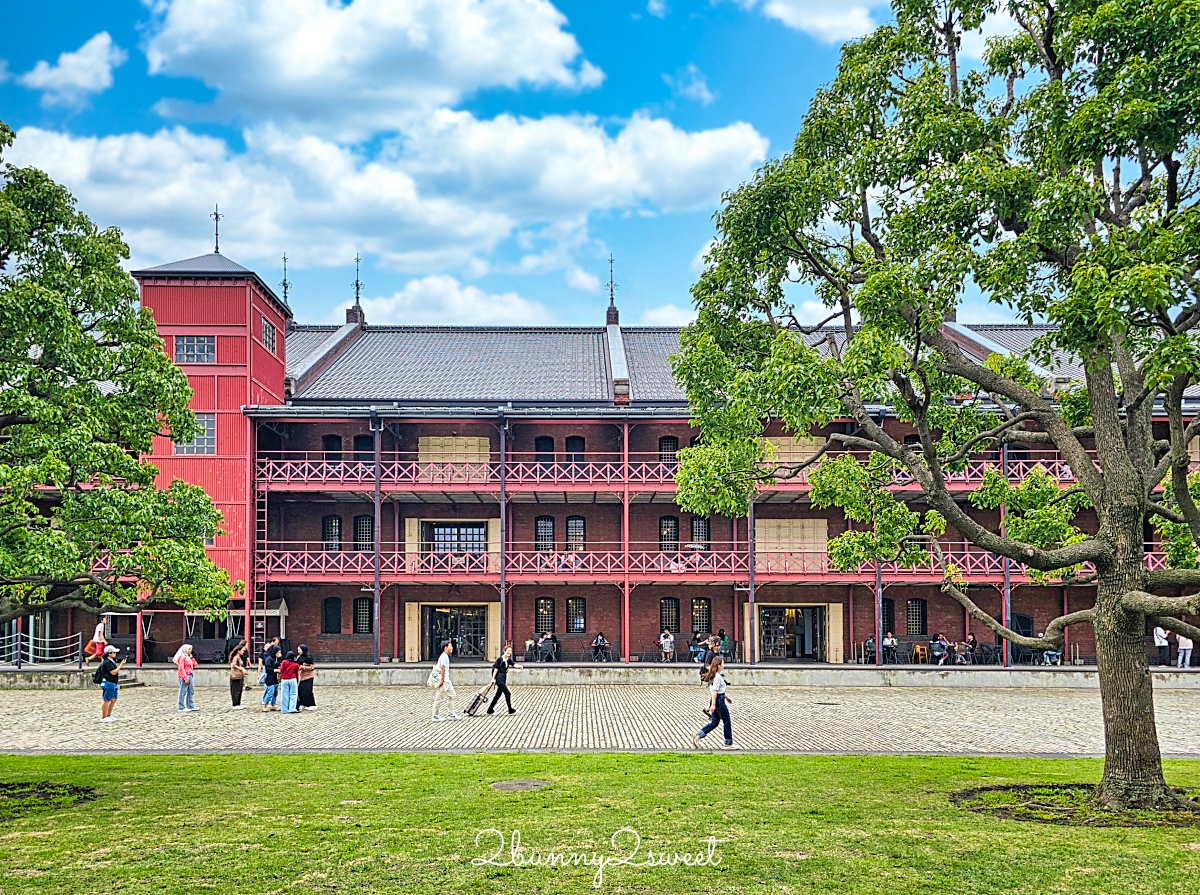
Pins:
x: 85, y: 387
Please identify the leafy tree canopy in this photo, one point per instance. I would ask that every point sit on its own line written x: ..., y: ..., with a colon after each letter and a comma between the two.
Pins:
x: 1057, y: 178
x: 84, y: 387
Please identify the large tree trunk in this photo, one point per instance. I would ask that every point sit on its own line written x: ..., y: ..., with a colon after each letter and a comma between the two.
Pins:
x: 1133, y: 776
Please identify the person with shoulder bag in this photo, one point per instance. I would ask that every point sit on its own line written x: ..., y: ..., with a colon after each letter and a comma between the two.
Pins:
x: 710, y: 653
x: 237, y: 674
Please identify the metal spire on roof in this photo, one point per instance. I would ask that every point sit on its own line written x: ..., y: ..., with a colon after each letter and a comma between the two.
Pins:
x: 357, y: 282
x: 285, y: 283
x: 612, y: 287
x: 216, y: 216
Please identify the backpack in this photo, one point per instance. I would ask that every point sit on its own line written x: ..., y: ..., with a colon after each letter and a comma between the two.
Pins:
x: 98, y: 674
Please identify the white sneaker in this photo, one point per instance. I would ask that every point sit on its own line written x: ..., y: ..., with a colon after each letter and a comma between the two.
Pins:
x: 236, y: 707
x: 438, y: 718
x: 192, y: 709
x: 695, y: 739
x: 454, y: 717
x: 732, y: 746
x: 107, y: 720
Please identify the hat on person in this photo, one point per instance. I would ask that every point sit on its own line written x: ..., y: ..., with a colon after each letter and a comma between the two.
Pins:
x: 110, y: 649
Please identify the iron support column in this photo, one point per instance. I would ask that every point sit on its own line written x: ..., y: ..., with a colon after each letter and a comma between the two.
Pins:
x: 377, y: 431
x: 505, y: 620
x: 752, y: 630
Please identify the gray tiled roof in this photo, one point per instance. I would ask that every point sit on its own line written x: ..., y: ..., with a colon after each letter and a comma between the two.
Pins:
x: 462, y: 365
x: 210, y: 263
x: 1017, y: 338
x: 649, y: 352
x: 302, y: 341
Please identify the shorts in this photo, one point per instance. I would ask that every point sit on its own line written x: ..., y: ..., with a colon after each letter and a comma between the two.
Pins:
x: 108, y: 691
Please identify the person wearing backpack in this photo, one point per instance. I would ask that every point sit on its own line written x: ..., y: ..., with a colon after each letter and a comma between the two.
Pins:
x: 106, y: 676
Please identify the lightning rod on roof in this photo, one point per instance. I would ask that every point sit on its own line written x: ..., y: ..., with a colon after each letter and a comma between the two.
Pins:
x: 612, y: 287
x: 357, y: 281
x: 285, y: 283
x: 216, y: 216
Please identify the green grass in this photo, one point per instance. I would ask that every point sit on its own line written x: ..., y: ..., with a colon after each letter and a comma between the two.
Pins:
x: 407, y: 823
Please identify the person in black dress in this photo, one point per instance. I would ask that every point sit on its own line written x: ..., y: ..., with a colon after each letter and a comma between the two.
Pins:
x: 500, y: 679
x: 304, y: 697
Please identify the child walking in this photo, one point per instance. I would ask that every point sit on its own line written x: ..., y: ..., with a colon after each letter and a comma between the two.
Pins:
x: 718, y: 704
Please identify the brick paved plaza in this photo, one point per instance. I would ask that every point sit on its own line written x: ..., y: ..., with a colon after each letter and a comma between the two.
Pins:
x: 594, y: 717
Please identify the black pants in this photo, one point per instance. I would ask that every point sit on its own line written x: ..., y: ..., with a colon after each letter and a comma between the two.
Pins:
x: 1164, y: 655
x: 501, y: 690
x: 235, y: 690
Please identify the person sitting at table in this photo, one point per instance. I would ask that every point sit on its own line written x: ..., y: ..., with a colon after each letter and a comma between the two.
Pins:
x: 1051, y: 657
x: 666, y: 643
x: 547, y: 646
x: 972, y: 644
x: 697, y: 646
x: 889, y: 649
x: 599, y: 647
x: 939, y: 648
x: 962, y: 654
x: 724, y: 637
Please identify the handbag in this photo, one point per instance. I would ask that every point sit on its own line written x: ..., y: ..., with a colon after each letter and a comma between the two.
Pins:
x: 237, y: 672
x: 435, y: 677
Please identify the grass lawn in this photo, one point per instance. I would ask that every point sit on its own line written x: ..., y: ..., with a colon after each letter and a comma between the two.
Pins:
x: 244, y: 825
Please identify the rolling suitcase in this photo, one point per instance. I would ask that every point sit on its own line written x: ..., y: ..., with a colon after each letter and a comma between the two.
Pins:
x: 477, y: 700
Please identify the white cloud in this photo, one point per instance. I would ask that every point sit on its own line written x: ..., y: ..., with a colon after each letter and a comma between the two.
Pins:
x: 667, y: 315
x: 578, y: 278
x: 354, y: 69
x: 830, y: 23
x: 697, y: 264
x: 76, y: 75
x: 443, y: 300
x: 657, y: 8
x: 689, y: 82
x: 998, y: 24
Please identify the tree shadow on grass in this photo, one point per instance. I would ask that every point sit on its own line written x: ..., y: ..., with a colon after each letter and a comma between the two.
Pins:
x: 1069, y: 804
x: 19, y: 799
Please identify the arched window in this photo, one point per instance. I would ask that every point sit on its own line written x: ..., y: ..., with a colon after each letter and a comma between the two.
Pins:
x: 364, y: 448
x: 702, y: 615
x: 331, y: 532
x: 364, y: 532
x: 888, y: 615
x: 576, y: 615
x: 668, y: 534
x: 576, y: 533
x: 331, y: 616
x: 332, y: 446
x: 668, y: 614
x: 543, y: 534
x: 917, y: 616
x: 364, y: 615
x: 574, y: 449
x: 700, y: 531
x: 543, y: 615
x: 543, y: 449
x: 668, y: 450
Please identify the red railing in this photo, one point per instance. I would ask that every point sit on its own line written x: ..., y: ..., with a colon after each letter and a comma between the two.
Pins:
x: 643, y: 562
x: 525, y: 470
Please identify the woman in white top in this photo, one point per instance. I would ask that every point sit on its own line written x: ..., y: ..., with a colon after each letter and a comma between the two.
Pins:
x: 95, y: 646
x: 718, y: 704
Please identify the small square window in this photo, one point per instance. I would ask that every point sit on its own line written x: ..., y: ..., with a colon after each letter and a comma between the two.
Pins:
x: 268, y: 337
x: 195, y: 349
x: 206, y: 441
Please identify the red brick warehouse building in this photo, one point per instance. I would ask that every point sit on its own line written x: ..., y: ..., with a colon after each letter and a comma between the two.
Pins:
x: 386, y: 487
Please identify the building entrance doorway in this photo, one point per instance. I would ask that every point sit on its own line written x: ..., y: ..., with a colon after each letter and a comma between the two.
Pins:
x: 465, y: 625
x: 792, y: 632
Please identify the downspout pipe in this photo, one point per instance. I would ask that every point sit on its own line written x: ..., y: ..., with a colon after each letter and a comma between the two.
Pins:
x: 503, y: 528
x: 377, y: 431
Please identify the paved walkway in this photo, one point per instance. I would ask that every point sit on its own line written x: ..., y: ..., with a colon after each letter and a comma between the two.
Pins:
x: 581, y: 718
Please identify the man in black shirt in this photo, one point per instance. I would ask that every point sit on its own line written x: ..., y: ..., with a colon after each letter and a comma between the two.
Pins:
x: 108, y: 672
x: 270, y: 677
x: 500, y: 679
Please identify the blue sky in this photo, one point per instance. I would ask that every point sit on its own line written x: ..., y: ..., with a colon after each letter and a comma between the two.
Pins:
x: 484, y: 156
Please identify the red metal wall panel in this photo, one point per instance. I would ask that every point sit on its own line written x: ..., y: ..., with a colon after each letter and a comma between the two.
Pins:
x: 184, y: 304
x: 231, y: 349
x: 231, y: 392
x: 204, y: 397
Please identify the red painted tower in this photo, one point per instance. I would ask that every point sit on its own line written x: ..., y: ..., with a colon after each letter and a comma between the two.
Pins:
x: 226, y: 329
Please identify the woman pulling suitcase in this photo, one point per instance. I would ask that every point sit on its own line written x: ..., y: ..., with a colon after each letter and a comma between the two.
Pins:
x: 500, y: 679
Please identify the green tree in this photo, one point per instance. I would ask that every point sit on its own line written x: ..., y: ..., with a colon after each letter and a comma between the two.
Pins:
x: 84, y: 387
x: 1057, y: 179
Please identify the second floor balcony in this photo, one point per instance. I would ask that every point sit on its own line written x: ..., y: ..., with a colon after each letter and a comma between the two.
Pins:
x: 340, y: 470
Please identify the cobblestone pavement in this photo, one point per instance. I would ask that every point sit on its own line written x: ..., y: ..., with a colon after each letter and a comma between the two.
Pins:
x: 606, y: 718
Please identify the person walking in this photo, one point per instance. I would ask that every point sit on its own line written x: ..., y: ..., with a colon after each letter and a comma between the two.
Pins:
x: 95, y: 648
x: 500, y: 680
x: 1184, y: 646
x: 710, y: 653
x: 289, y: 674
x: 1160, y: 641
x: 107, y: 673
x: 237, y: 674
x: 443, y: 692
x: 718, y: 704
x: 308, y: 671
x: 270, y: 679
x: 185, y: 667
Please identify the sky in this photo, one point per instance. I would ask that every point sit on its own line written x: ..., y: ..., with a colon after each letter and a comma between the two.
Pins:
x: 483, y: 157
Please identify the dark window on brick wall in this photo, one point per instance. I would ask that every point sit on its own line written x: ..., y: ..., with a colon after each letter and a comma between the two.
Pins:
x: 574, y: 447
x: 888, y: 615
x: 331, y: 532
x: 668, y: 614
x: 331, y: 616
x: 668, y: 534
x: 364, y: 532
x: 917, y: 617
x: 668, y: 449
x: 543, y: 534
x: 364, y: 615
x: 702, y: 615
x: 576, y: 533
x: 576, y: 615
x: 543, y: 615
x: 364, y: 448
x: 700, y: 533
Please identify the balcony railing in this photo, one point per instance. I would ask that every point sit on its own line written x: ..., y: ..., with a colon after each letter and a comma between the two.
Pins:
x: 580, y: 471
x: 642, y: 562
